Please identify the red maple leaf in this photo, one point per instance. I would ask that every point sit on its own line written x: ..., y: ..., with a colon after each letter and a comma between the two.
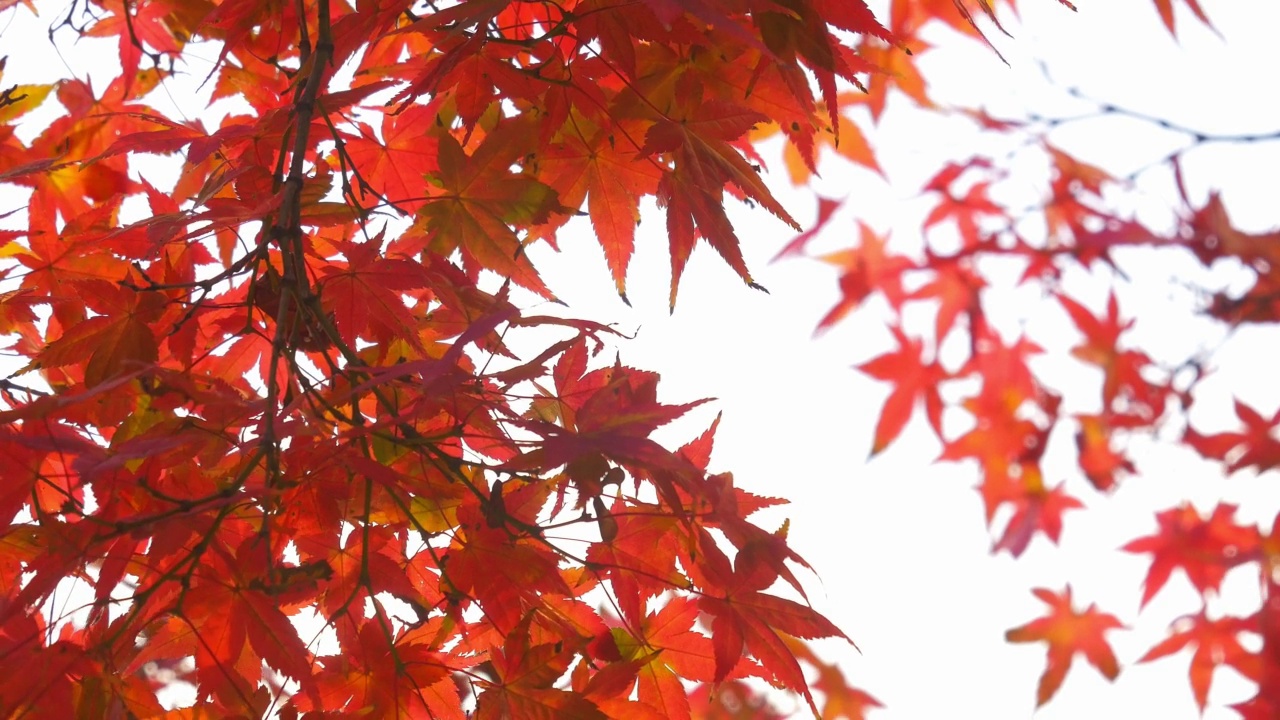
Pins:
x: 1165, y: 8
x: 1068, y: 633
x: 912, y: 378
x: 1216, y: 642
x: 866, y: 268
x: 477, y: 202
x: 524, y: 684
x: 1204, y: 549
x: 612, y: 179
x: 1035, y: 507
x: 1098, y: 459
x: 1257, y: 446
x: 747, y: 620
x: 704, y: 161
x: 967, y: 212
x: 956, y: 287
x: 674, y: 650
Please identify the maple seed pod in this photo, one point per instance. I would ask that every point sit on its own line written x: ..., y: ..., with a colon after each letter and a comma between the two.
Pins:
x: 495, y: 511
x: 588, y: 469
x: 607, y: 522
x: 615, y: 476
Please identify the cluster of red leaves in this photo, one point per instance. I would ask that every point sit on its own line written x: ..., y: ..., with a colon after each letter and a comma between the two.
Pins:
x: 1013, y: 411
x: 253, y: 405
x: 249, y: 405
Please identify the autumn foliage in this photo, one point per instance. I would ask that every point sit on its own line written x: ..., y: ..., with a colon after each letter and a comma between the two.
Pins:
x: 273, y: 436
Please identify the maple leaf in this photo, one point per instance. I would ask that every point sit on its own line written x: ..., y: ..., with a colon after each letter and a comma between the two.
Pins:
x: 898, y: 72
x: 1102, y: 335
x: 746, y: 619
x: 378, y: 676
x: 867, y: 268
x: 1216, y: 643
x: 500, y: 573
x: 846, y: 139
x: 1165, y: 8
x: 840, y: 700
x: 956, y: 287
x: 612, y: 182
x: 1256, y: 447
x: 525, y: 672
x: 1210, y: 234
x: 1071, y: 177
x: 1035, y: 507
x: 1098, y: 460
x: 235, y: 625
x: 609, y: 411
x: 640, y: 559
x: 1204, y: 549
x: 477, y: 200
x: 1068, y: 633
x: 482, y: 75
x: 1122, y: 369
x: 119, y: 341
x: 46, y: 687
x: 912, y: 378
x: 674, y: 650
x: 365, y: 295
x: 704, y: 161
x: 396, y: 165
x: 966, y: 212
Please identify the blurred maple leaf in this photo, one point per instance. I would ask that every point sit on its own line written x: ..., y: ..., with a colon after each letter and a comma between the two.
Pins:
x: 1165, y: 8
x: 1217, y: 643
x: 1068, y: 633
x: 867, y: 268
x: 1204, y: 549
x: 911, y: 378
x: 1255, y: 447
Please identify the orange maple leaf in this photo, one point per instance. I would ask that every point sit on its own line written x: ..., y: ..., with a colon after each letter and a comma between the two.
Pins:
x: 479, y: 204
x: 1068, y: 633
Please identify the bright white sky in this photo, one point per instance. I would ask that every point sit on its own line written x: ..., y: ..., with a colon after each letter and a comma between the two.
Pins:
x: 899, y: 543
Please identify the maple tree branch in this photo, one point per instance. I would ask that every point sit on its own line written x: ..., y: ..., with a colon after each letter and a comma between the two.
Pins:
x: 10, y: 386
x: 191, y: 562
x: 133, y: 35
x: 304, y: 34
x: 1105, y: 107
x: 347, y: 165
x: 8, y: 97
x: 410, y: 437
x: 1196, y: 135
x: 286, y: 231
x: 427, y: 449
